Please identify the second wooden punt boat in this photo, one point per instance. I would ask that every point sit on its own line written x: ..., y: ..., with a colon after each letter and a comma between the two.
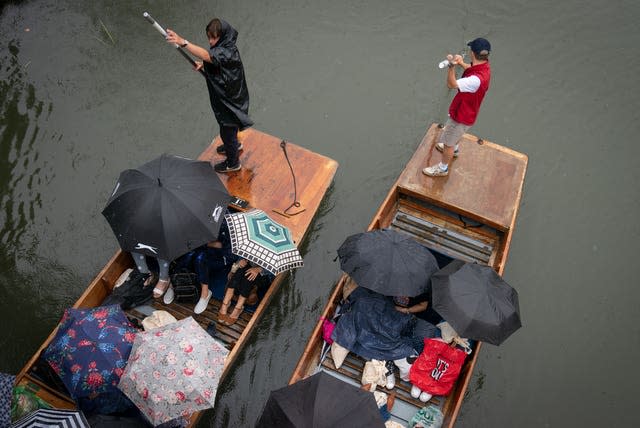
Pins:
x: 469, y: 215
x: 266, y: 182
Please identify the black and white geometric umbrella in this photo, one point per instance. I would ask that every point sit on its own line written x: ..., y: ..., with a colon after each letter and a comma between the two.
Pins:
x: 258, y: 238
x: 53, y: 418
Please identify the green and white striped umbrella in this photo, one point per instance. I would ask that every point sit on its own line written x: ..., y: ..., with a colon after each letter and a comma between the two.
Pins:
x: 258, y: 238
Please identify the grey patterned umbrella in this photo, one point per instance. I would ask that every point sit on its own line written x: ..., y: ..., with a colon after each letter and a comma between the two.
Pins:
x: 53, y: 418
x: 258, y: 238
x: 173, y: 371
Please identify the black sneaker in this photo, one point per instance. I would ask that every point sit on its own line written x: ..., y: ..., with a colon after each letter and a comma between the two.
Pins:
x: 220, y: 149
x: 225, y: 167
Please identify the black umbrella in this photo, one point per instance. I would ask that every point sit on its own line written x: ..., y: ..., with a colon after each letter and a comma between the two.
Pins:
x: 476, y: 301
x: 388, y: 262
x: 167, y: 207
x: 320, y: 401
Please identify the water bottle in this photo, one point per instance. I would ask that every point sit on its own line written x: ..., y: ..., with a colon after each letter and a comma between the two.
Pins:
x: 444, y: 63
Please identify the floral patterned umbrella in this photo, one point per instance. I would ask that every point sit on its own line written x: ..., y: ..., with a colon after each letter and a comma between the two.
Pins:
x: 89, y: 353
x: 173, y: 371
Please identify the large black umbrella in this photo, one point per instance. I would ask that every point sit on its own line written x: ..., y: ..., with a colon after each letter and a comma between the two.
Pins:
x: 167, y: 207
x: 476, y: 301
x: 320, y: 401
x: 388, y: 262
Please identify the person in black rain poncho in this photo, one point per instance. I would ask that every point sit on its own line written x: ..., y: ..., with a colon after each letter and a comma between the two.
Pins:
x: 226, y: 84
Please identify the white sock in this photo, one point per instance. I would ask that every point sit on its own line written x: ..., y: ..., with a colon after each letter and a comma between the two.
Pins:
x: 443, y: 166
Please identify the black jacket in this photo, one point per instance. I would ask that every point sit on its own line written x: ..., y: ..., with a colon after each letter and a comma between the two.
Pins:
x: 226, y: 82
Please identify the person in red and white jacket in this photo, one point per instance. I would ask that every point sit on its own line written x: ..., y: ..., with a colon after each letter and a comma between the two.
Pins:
x: 463, y: 111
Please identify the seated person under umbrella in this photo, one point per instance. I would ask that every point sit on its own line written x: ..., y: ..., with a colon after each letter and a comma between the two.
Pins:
x: 205, y: 261
x: 371, y: 327
x: 243, y: 277
x: 418, y: 306
x: 160, y: 281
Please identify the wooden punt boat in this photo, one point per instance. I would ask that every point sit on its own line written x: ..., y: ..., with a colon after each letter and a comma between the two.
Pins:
x: 469, y: 215
x: 266, y: 182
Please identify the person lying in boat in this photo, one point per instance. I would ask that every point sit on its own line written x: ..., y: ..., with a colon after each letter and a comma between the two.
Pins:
x: 246, y: 279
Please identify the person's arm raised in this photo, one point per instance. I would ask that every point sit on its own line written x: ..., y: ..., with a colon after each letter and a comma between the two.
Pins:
x: 193, y: 49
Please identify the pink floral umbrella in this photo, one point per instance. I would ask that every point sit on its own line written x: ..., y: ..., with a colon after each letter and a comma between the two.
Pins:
x: 173, y: 371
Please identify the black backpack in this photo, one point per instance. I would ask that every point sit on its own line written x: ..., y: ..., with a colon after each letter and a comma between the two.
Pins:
x: 186, y: 286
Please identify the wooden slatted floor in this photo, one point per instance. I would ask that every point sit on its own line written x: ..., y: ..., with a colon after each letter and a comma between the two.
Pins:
x: 229, y: 335
x: 455, y: 245
x: 353, y: 366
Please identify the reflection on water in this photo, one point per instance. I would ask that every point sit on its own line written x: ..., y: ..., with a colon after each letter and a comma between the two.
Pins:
x: 356, y: 81
x: 26, y: 278
x: 20, y: 170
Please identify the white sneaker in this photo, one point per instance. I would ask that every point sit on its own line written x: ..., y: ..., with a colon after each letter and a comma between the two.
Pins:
x: 169, y: 295
x: 391, y: 377
x: 202, y: 303
x: 425, y: 396
x: 415, y: 391
x: 404, y: 367
x: 435, y: 171
x: 391, y: 381
x: 440, y: 147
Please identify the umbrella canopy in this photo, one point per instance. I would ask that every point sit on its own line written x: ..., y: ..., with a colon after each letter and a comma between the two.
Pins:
x: 258, y: 238
x: 387, y: 262
x: 167, y: 207
x: 320, y: 401
x: 476, y: 301
x: 53, y: 418
x: 173, y: 371
x: 89, y: 353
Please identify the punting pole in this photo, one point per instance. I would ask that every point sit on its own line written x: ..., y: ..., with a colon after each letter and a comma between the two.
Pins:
x: 164, y: 34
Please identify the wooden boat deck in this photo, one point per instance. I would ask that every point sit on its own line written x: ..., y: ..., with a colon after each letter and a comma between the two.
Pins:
x: 265, y: 181
x: 484, y: 183
x: 468, y: 215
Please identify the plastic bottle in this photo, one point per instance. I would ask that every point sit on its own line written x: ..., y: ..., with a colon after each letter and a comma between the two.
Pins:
x: 444, y: 63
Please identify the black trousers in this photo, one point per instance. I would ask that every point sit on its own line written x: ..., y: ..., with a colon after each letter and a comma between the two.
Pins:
x: 229, y: 136
x: 242, y: 285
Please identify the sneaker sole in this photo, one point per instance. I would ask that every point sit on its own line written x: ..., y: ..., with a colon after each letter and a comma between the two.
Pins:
x: 435, y: 174
x: 238, y: 168
x: 455, y: 152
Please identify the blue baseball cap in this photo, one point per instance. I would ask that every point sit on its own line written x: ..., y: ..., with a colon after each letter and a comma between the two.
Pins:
x: 480, y: 46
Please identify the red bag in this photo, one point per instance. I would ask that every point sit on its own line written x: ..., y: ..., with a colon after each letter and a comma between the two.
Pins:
x: 437, y: 368
x: 327, y: 329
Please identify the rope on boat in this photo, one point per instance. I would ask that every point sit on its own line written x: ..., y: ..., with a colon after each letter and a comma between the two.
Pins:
x: 295, y: 203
